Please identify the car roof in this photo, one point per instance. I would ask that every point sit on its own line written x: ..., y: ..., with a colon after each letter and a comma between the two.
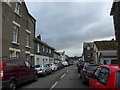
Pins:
x: 113, y: 67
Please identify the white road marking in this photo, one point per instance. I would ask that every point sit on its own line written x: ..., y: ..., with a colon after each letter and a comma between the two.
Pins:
x: 67, y: 71
x: 53, y: 85
x: 63, y: 75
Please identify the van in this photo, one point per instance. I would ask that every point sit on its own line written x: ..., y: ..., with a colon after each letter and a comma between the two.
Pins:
x: 14, y: 72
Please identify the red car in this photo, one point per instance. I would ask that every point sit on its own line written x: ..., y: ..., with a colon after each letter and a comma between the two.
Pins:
x: 106, y: 76
x: 14, y: 72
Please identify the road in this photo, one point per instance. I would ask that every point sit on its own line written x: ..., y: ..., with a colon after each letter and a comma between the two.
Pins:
x: 67, y: 77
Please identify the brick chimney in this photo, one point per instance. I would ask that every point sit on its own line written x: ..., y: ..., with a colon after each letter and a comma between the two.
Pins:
x: 39, y: 37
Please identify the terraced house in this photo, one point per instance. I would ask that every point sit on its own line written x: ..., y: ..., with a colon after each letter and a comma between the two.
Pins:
x: 44, y: 54
x: 115, y: 12
x: 17, y: 29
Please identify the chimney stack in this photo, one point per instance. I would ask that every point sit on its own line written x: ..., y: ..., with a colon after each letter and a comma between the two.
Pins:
x: 39, y: 37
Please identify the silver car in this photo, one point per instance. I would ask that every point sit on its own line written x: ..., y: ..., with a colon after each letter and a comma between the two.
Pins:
x: 43, y: 69
x: 53, y: 67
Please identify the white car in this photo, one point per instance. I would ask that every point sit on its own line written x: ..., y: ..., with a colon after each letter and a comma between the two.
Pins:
x: 53, y: 67
x: 43, y: 69
x: 65, y: 63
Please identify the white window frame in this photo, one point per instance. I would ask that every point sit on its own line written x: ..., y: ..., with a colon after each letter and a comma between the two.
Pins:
x: 15, y: 33
x: 88, y: 47
x: 27, y: 57
x: 38, y: 47
x: 17, y: 8
x: 27, y: 40
x: 43, y: 48
x: 47, y: 49
x: 12, y: 54
x: 50, y: 51
x: 17, y: 55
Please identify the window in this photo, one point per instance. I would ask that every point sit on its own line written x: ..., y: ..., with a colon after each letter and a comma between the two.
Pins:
x: 17, y: 8
x: 88, y: 47
x: 28, y: 40
x: 15, y: 33
x: 43, y: 48
x: 49, y: 50
x: 101, y: 75
x: 12, y: 54
x: 118, y: 79
x: 17, y: 54
x: 27, y: 64
x: 27, y: 56
x: 38, y: 47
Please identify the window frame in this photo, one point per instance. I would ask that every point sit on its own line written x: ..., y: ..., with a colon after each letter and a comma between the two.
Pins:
x: 100, y: 75
x: 27, y: 57
x: 38, y: 48
x: 15, y: 33
x: 17, y: 8
x: 27, y: 40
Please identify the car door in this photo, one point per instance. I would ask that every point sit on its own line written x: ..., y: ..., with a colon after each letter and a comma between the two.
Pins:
x: 100, y: 78
x: 48, y: 68
x: 29, y: 71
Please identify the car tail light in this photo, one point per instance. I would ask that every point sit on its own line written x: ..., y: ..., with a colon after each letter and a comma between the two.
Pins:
x: 41, y: 69
x: 86, y: 73
x: 1, y: 70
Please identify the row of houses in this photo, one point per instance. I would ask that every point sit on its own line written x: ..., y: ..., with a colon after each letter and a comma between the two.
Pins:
x: 100, y: 52
x: 17, y: 35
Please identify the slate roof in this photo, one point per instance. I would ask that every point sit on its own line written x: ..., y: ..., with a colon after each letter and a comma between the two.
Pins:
x: 106, y: 45
x: 109, y: 53
x: 40, y: 41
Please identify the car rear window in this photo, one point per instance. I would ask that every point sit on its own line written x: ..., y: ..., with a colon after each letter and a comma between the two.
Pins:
x: 118, y: 79
x: 37, y: 66
x: 91, y: 68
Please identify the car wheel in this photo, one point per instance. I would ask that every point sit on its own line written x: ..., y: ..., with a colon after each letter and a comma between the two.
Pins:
x: 12, y: 85
x: 45, y: 74
x: 35, y: 77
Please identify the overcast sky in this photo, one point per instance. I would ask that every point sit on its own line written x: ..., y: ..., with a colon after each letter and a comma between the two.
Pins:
x: 67, y: 25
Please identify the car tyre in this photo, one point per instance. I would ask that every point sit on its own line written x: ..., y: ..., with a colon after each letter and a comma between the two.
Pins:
x: 35, y: 77
x: 12, y: 85
x: 45, y: 74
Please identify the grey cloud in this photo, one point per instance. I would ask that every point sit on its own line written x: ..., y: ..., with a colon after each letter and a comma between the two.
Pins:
x: 66, y: 26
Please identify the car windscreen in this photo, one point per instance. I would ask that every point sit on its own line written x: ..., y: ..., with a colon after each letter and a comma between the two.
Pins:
x: 91, y: 68
x: 37, y: 66
x: 118, y: 79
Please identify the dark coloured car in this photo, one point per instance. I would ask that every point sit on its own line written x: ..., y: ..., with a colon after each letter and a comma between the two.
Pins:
x: 14, y: 72
x: 81, y: 65
x: 86, y: 71
x: 106, y: 76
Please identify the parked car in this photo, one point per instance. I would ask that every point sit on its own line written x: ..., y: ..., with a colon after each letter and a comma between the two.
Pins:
x: 77, y: 63
x: 53, y: 67
x: 14, y: 72
x: 43, y: 69
x: 86, y: 71
x: 60, y: 65
x: 81, y: 65
x: 65, y: 63
x: 70, y: 63
x: 106, y: 76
